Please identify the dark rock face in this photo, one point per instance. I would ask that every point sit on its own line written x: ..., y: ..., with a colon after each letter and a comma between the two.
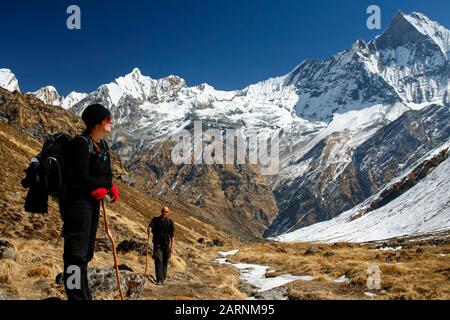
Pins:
x: 423, y: 54
x: 392, y: 149
x: 399, y: 144
x: 339, y: 84
x: 7, y: 250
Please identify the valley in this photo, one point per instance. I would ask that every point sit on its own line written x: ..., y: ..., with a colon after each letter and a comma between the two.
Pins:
x: 362, y: 186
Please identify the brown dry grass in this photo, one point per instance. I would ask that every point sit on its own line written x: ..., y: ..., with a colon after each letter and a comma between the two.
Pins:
x: 405, y: 274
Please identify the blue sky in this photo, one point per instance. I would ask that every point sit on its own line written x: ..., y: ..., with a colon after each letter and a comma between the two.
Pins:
x: 226, y: 43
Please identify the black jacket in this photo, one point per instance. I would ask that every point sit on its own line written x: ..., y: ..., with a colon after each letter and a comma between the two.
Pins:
x: 37, y: 199
x: 162, y: 230
x: 85, y: 169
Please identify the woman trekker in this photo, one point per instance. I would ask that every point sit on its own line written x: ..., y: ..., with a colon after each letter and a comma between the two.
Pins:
x: 89, y: 180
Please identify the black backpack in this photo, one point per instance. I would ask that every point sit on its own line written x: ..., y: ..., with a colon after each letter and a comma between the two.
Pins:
x: 47, y: 169
x: 45, y: 176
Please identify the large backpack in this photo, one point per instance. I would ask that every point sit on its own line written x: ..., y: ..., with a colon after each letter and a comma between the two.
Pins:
x: 47, y: 168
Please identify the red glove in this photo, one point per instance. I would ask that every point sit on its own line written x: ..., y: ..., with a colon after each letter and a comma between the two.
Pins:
x: 114, y: 193
x: 99, y: 193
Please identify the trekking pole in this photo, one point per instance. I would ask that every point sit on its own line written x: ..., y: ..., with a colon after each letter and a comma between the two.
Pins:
x: 146, y: 252
x: 116, y: 261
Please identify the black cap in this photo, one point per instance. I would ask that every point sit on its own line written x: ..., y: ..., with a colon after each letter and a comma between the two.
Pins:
x: 94, y: 114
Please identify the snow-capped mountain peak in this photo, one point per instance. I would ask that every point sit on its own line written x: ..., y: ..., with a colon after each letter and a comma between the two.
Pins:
x: 143, y: 88
x: 415, y: 27
x: 8, y: 80
x: 72, y: 99
x: 438, y: 33
x: 48, y: 95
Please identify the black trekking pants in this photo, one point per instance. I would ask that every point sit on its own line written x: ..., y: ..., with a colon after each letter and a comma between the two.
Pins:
x: 80, y: 218
x: 161, y: 255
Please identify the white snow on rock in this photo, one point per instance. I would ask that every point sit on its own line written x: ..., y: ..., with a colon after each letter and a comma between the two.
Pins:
x: 425, y: 208
x: 439, y: 34
x: 48, y: 95
x: 8, y: 80
x: 72, y: 99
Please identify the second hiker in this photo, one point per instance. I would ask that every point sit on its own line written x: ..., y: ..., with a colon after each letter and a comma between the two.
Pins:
x: 163, y: 238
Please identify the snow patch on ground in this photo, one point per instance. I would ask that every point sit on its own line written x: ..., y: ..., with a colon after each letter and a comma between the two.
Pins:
x: 342, y: 279
x: 370, y: 294
x: 390, y: 248
x: 255, y: 274
x: 228, y: 253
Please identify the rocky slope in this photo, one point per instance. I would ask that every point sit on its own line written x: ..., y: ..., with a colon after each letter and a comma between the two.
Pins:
x: 416, y: 203
x: 235, y: 197
x: 344, y: 174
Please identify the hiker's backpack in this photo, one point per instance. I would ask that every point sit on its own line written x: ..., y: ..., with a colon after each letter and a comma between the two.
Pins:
x: 46, y: 174
x: 47, y: 168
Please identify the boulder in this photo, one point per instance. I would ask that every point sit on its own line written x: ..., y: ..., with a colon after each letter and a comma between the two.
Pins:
x: 103, y: 281
x: 311, y: 251
x: 328, y: 254
x: 140, y: 247
x: 422, y: 250
x: 247, y: 288
x: 7, y: 250
x: 43, y: 284
x: 278, y: 293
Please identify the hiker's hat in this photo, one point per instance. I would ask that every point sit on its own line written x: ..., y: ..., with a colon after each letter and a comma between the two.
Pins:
x: 94, y: 114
